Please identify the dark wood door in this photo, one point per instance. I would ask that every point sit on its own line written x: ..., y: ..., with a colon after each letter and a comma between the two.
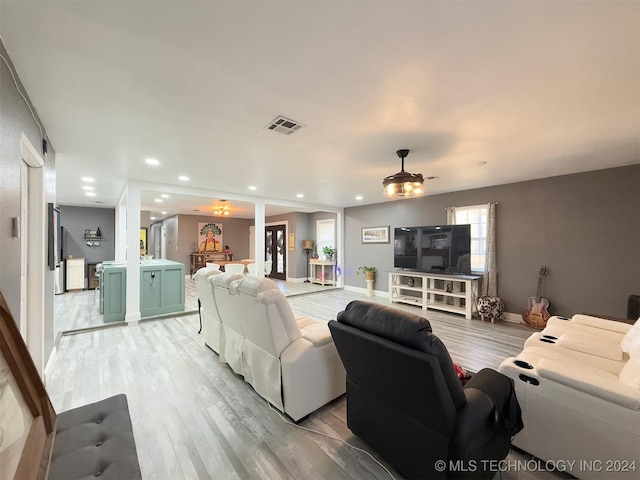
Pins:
x: 275, y: 250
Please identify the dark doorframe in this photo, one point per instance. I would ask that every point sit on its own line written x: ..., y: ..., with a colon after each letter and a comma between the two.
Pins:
x: 275, y: 244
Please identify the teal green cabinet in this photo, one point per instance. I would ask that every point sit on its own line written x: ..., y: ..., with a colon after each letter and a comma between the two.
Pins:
x: 113, y: 293
x: 161, y: 289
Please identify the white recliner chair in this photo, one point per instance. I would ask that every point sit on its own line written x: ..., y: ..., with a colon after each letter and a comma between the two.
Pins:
x: 587, y: 324
x: 231, y: 334
x: 575, y: 411
x: 292, y: 363
x: 208, y: 310
x: 595, y: 341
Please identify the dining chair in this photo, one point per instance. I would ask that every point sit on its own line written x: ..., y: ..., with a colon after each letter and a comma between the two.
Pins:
x: 234, y: 268
x: 268, y: 265
x: 251, y: 269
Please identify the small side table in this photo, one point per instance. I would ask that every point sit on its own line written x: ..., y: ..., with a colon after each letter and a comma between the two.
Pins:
x: 323, y: 272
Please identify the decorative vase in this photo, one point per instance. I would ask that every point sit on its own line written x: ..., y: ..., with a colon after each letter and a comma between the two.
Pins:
x: 368, y: 275
x: 410, y: 282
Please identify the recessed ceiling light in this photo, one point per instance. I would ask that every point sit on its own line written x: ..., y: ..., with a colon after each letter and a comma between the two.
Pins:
x: 300, y: 195
x: 90, y: 194
x: 152, y: 161
x: 253, y: 188
x: 152, y: 218
x: 183, y: 178
x: 87, y: 187
x: 163, y: 213
x: 359, y: 197
x: 88, y: 179
x: 158, y: 200
x: 164, y: 195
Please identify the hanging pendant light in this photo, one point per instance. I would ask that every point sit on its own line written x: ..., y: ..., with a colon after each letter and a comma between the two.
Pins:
x: 403, y: 184
x: 222, y: 210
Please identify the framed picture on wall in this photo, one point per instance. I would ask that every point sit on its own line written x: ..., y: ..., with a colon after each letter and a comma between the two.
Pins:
x: 143, y: 240
x: 209, y: 237
x: 375, y: 234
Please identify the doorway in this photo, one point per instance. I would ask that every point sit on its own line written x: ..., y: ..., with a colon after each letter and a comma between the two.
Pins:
x: 275, y: 250
x: 32, y: 233
x: 158, y: 235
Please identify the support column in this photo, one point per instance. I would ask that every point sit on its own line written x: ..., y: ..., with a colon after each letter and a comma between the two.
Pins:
x: 259, y: 246
x: 133, y: 254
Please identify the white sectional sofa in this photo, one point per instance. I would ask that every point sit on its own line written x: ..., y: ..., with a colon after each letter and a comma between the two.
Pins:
x: 580, y: 396
x: 291, y: 362
x: 208, y: 312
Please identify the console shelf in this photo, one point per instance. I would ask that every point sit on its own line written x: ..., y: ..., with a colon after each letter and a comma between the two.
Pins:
x: 449, y: 293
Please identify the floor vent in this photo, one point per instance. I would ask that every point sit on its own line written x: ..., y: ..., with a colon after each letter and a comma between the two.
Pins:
x: 284, y: 125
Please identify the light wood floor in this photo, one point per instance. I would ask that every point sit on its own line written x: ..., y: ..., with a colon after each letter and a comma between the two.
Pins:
x: 193, y: 418
x: 84, y: 319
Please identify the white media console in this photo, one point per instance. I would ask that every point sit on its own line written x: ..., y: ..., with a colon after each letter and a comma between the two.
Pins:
x: 449, y: 293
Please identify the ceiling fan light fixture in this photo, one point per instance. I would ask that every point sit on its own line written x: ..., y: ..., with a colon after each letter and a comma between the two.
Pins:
x: 403, y: 184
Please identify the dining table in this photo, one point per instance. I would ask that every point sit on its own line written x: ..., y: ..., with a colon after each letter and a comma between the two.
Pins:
x: 244, y: 262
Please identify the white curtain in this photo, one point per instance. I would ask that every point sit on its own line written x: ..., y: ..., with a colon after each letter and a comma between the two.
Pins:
x: 451, y: 215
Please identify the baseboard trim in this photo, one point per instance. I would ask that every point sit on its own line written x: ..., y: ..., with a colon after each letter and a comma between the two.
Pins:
x: 363, y: 291
x: 50, y: 362
x: 512, y: 317
x: 296, y: 280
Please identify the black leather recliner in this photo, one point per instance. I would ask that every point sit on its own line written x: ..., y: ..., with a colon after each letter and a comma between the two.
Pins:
x: 405, y: 400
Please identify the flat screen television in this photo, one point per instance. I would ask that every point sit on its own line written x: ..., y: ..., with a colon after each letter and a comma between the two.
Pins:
x: 434, y: 249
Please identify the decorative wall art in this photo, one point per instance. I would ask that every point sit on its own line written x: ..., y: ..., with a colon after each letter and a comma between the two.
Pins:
x: 143, y: 241
x: 375, y: 234
x: 209, y: 237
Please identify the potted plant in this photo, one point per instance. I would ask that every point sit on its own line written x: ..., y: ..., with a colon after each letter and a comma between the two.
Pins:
x: 329, y: 252
x: 368, y: 272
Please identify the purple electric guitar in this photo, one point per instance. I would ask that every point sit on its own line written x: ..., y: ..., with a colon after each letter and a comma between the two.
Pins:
x: 536, y: 314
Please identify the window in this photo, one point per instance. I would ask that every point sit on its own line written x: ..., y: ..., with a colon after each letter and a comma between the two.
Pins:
x: 476, y: 216
x: 325, y: 234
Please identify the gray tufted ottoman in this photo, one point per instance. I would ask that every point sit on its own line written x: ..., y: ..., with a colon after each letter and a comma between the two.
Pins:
x: 95, y: 440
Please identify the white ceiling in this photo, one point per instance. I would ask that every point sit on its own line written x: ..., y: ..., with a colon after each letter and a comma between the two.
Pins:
x: 534, y: 89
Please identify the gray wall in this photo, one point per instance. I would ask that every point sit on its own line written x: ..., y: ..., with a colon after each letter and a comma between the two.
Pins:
x: 296, y: 222
x: 303, y: 226
x: 584, y: 227
x: 75, y: 220
x: 15, y: 120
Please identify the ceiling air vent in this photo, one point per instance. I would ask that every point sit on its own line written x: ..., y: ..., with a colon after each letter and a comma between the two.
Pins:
x: 284, y: 125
